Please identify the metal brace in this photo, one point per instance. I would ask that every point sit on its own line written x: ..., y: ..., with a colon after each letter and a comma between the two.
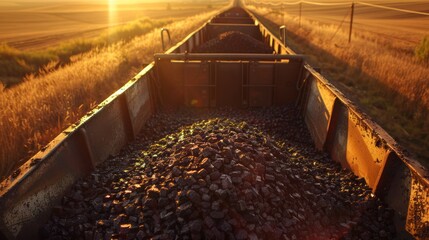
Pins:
x: 282, y: 34
x: 162, y: 37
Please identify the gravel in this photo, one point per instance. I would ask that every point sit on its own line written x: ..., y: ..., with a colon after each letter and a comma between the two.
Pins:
x: 221, y: 174
x: 233, y: 42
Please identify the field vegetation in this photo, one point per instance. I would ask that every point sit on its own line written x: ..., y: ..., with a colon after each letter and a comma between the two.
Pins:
x: 18, y: 65
x: 422, y: 49
x: 34, y: 112
x: 38, y: 24
x: 381, y: 75
x: 41, y: 36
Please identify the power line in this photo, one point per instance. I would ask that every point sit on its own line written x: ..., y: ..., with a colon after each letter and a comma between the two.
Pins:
x: 356, y: 2
x: 342, y: 4
x: 300, y: 2
x: 267, y: 3
x: 292, y: 3
x: 393, y: 8
x: 339, y: 27
x: 325, y: 4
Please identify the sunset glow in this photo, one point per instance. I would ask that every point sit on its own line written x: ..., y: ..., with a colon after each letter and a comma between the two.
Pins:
x: 214, y: 119
x: 113, y: 16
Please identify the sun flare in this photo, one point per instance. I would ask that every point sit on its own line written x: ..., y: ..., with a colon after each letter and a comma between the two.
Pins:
x: 113, y: 17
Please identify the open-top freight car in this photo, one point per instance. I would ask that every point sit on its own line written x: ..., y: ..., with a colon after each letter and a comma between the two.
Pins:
x: 180, y: 78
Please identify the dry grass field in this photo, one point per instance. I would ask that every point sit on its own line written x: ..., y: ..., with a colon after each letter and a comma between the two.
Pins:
x: 378, y: 69
x: 36, y: 25
x: 402, y: 29
x: 34, y: 112
x: 36, y: 34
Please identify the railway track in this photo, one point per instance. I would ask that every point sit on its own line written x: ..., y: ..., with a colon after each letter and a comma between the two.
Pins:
x: 220, y: 145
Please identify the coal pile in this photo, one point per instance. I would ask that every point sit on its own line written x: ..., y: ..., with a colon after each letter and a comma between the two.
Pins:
x: 233, y: 42
x: 221, y: 174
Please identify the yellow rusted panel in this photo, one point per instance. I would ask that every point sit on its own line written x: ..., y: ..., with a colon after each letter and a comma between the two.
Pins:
x: 318, y: 112
x: 365, y: 150
x: 418, y: 210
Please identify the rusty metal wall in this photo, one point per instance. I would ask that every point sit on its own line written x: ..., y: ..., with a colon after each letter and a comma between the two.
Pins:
x: 214, y: 29
x: 358, y: 143
x: 345, y: 135
x: 353, y: 140
x: 27, y: 199
x: 418, y: 217
x: 234, y: 12
x: 219, y: 80
x: 237, y: 20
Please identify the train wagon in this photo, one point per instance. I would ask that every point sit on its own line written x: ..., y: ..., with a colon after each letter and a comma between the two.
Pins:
x: 227, y: 135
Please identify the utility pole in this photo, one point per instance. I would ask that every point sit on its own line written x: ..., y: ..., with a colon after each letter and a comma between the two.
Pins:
x: 351, y: 22
x: 283, y: 14
x: 300, y: 13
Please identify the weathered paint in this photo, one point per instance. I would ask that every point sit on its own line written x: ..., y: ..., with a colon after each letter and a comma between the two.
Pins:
x: 27, y: 199
x: 363, y: 146
x: 318, y: 112
x: 418, y: 211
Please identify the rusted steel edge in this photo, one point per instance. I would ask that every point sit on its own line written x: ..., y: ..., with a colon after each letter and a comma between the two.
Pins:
x: 181, y: 43
x: 229, y: 56
x: 186, y: 39
x: 27, y: 197
x: 415, y: 217
x: 414, y: 166
x: 14, y: 187
x: 32, y: 164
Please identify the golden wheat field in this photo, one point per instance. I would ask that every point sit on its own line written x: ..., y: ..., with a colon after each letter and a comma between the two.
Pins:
x: 378, y: 69
x: 33, y: 112
x: 403, y: 28
x: 34, y: 24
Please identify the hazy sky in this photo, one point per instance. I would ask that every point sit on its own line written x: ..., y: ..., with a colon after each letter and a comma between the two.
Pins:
x: 117, y: 2
x: 97, y: 1
x: 86, y: 1
x: 142, y: 1
x: 139, y: 1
